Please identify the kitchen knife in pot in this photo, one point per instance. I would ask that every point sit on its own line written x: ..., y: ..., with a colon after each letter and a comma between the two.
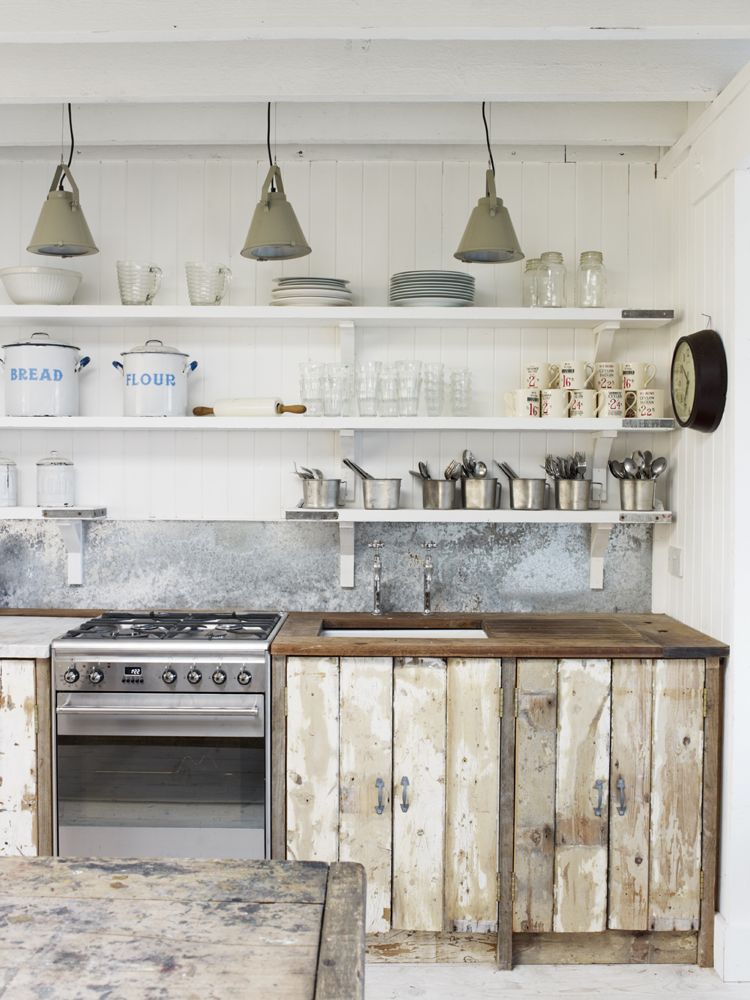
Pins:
x: 247, y: 407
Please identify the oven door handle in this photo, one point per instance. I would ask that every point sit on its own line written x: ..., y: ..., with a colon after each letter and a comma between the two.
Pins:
x: 197, y: 712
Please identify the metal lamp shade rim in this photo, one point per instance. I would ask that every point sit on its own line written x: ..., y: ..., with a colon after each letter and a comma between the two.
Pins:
x: 275, y: 233
x: 489, y: 236
x: 61, y: 230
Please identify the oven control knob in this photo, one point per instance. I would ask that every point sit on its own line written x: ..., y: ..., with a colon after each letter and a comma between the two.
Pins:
x: 71, y: 675
x: 169, y: 676
x: 218, y: 677
x: 244, y: 677
x: 96, y: 676
x: 194, y: 676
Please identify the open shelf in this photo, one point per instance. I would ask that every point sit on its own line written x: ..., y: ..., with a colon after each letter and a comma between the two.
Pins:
x: 70, y: 521
x: 358, y: 515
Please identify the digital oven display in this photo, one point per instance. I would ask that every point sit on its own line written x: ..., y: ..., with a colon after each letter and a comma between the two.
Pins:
x: 133, y: 671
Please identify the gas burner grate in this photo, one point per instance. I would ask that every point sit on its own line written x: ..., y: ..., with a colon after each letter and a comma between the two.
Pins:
x: 190, y: 625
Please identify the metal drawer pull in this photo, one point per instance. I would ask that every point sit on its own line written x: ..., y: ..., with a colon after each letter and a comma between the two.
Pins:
x: 621, y: 809
x: 599, y: 786
x: 380, y: 807
x: 404, y: 794
x: 223, y: 712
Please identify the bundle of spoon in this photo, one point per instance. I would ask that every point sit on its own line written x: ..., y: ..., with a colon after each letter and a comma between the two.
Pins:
x: 566, y: 467
x: 640, y: 465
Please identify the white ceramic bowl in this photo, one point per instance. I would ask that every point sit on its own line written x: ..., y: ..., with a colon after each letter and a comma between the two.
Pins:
x: 40, y: 286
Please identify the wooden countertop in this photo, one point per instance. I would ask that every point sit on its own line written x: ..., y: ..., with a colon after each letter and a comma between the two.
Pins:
x: 540, y: 635
x: 181, y: 930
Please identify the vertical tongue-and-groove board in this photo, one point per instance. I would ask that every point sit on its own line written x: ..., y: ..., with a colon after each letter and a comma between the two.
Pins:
x: 18, y: 791
x: 630, y: 794
x: 676, y: 797
x: 534, y: 839
x: 583, y: 698
x: 472, y: 794
x: 366, y: 734
x: 419, y: 687
x: 312, y: 758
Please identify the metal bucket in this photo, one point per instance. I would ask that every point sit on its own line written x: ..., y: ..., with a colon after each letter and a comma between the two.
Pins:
x: 438, y: 494
x: 637, y: 494
x: 323, y: 494
x: 381, y: 494
x: 480, y: 494
x: 528, y: 494
x: 572, y: 494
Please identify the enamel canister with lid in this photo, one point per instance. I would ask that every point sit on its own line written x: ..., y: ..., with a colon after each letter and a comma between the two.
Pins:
x: 155, y: 380
x: 8, y: 482
x: 41, y: 377
x: 55, y: 481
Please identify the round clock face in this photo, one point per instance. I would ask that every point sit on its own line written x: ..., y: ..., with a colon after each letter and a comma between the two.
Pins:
x: 683, y: 382
x: 699, y: 380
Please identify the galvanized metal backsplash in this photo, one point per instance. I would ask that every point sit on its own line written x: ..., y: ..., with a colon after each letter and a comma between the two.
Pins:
x: 286, y: 566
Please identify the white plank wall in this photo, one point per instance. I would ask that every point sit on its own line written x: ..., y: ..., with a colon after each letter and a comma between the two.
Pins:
x: 365, y: 220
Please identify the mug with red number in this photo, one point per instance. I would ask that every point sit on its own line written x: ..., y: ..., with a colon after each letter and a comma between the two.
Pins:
x: 576, y: 375
x: 522, y: 403
x: 637, y: 374
x: 645, y: 403
x: 610, y: 403
x: 541, y: 375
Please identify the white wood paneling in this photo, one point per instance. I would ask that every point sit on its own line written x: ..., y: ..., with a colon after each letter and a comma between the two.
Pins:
x: 18, y: 763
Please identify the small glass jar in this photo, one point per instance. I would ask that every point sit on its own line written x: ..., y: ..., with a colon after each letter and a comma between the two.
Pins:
x: 55, y: 481
x: 591, y: 280
x: 530, y: 295
x: 8, y: 483
x: 550, y: 279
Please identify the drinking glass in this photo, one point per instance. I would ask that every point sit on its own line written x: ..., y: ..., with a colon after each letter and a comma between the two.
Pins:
x: 388, y: 392
x: 311, y: 382
x: 367, y: 381
x: 207, y: 283
x: 138, y: 283
x: 434, y: 388
x: 460, y: 392
x: 337, y: 390
x: 409, y: 381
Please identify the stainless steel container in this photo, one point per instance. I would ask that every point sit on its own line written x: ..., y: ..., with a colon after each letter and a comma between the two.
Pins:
x: 439, y: 494
x: 637, y: 494
x: 381, y: 494
x: 572, y: 494
x: 324, y: 494
x: 528, y: 494
x: 480, y: 494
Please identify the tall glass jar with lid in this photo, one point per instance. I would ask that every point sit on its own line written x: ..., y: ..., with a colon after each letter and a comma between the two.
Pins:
x: 8, y: 483
x: 550, y: 279
x: 530, y: 296
x: 55, y: 481
x: 591, y: 280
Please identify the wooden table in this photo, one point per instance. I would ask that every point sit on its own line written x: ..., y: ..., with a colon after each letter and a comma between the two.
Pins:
x: 193, y: 930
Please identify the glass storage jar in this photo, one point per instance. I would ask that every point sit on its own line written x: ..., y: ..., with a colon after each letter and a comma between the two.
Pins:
x: 550, y: 279
x: 55, y: 481
x: 591, y: 280
x: 8, y: 483
x: 530, y: 296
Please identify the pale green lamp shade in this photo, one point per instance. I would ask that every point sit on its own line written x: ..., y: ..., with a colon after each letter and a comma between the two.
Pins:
x: 489, y: 237
x: 62, y: 230
x: 274, y: 232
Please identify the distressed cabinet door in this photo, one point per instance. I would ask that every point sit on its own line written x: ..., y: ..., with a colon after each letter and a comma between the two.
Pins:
x: 18, y: 760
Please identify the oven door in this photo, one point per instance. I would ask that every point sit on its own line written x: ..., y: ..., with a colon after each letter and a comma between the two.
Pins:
x: 157, y: 775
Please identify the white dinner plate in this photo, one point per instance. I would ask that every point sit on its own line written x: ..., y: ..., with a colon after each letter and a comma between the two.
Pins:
x: 311, y: 282
x: 437, y: 301
x: 315, y: 301
x: 306, y: 293
x: 460, y: 275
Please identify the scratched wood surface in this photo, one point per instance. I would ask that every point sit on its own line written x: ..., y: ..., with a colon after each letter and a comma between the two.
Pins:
x: 366, y: 736
x: 312, y: 758
x: 711, y: 792
x: 630, y: 794
x: 534, y: 836
x: 18, y: 785
x: 582, y: 760
x: 676, y: 795
x: 419, y: 692
x: 472, y: 794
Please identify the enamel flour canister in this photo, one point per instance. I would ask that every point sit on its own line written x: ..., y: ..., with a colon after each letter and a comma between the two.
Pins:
x: 155, y: 380
x: 41, y: 377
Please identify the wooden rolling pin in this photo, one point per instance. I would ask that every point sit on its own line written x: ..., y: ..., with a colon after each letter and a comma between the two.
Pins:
x: 249, y: 407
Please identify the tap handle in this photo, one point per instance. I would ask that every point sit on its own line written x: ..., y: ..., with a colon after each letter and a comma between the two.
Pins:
x: 429, y: 545
x: 377, y: 544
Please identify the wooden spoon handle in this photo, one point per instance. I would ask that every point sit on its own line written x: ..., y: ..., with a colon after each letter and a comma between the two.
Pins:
x: 296, y: 408
x: 203, y: 411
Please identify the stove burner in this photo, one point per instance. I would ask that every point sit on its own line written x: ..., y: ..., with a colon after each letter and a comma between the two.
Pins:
x: 156, y: 625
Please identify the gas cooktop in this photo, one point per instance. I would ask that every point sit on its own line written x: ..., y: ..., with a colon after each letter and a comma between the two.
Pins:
x: 179, y: 625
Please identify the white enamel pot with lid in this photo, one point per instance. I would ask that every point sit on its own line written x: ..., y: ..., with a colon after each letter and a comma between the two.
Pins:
x: 155, y: 380
x: 41, y: 377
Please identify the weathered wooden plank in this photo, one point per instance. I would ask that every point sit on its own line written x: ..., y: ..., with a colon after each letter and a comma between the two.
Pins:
x: 534, y: 840
x: 18, y: 792
x: 606, y: 948
x: 366, y: 736
x: 711, y: 792
x: 630, y: 794
x: 676, y: 795
x: 419, y: 693
x: 278, y: 757
x: 472, y: 794
x: 583, y: 712
x: 430, y: 946
x: 504, y: 954
x: 312, y: 758
x: 43, y: 686
x: 341, y: 962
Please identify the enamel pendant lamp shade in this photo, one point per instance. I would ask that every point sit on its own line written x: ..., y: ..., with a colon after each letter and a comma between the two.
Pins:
x: 489, y: 237
x: 62, y: 230
x: 274, y: 232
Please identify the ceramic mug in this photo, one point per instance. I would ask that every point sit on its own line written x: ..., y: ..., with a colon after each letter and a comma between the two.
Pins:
x: 645, y: 403
x: 541, y: 375
x: 554, y: 402
x: 576, y: 375
x: 637, y: 374
x: 610, y: 403
x: 606, y: 375
x: 582, y: 402
x: 522, y: 403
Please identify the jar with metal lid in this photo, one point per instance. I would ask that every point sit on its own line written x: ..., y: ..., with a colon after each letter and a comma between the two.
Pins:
x: 591, y: 280
x: 530, y: 294
x: 55, y: 481
x: 8, y: 482
x: 550, y: 279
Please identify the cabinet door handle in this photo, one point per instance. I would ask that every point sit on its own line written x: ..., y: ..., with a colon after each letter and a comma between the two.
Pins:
x: 380, y: 785
x: 622, y: 807
x: 404, y: 794
x: 599, y: 786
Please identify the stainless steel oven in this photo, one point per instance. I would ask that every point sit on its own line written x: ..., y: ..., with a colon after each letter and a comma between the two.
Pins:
x: 162, y: 744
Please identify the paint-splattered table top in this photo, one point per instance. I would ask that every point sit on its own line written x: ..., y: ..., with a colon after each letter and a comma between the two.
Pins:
x: 193, y: 930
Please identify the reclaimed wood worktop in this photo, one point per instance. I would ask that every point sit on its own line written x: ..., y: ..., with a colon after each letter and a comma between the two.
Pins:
x: 181, y: 930
x: 528, y: 635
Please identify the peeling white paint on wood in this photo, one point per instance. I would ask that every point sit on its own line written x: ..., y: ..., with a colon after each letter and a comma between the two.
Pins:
x: 18, y: 803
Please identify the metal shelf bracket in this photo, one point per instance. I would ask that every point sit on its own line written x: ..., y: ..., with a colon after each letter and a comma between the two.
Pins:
x: 346, y: 554
x: 603, y: 441
x: 599, y: 541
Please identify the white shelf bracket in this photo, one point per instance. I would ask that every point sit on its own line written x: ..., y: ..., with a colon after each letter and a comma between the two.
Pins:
x: 603, y: 441
x: 604, y: 336
x: 599, y: 541
x: 345, y: 449
x: 72, y: 532
x: 346, y: 553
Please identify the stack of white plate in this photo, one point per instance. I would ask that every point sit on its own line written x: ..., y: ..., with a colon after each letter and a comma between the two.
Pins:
x: 432, y: 288
x: 311, y: 292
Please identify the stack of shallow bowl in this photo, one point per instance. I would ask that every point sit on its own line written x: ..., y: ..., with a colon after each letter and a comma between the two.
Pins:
x: 311, y: 292
x: 432, y: 288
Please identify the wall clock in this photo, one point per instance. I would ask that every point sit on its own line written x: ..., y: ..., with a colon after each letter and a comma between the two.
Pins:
x: 699, y: 380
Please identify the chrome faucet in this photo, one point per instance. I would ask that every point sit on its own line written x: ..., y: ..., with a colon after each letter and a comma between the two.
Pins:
x: 428, y: 568
x: 377, y: 567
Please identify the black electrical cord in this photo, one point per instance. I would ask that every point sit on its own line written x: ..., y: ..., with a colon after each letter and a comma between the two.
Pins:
x: 72, y: 141
x: 487, y: 135
x: 268, y: 141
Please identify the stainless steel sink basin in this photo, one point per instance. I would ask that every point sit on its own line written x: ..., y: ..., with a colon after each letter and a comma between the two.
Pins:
x: 404, y: 633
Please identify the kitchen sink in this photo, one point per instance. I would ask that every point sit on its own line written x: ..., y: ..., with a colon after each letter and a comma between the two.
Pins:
x: 403, y: 633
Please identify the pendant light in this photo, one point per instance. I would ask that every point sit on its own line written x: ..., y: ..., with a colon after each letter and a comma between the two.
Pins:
x: 489, y: 237
x: 274, y: 232
x: 62, y: 230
